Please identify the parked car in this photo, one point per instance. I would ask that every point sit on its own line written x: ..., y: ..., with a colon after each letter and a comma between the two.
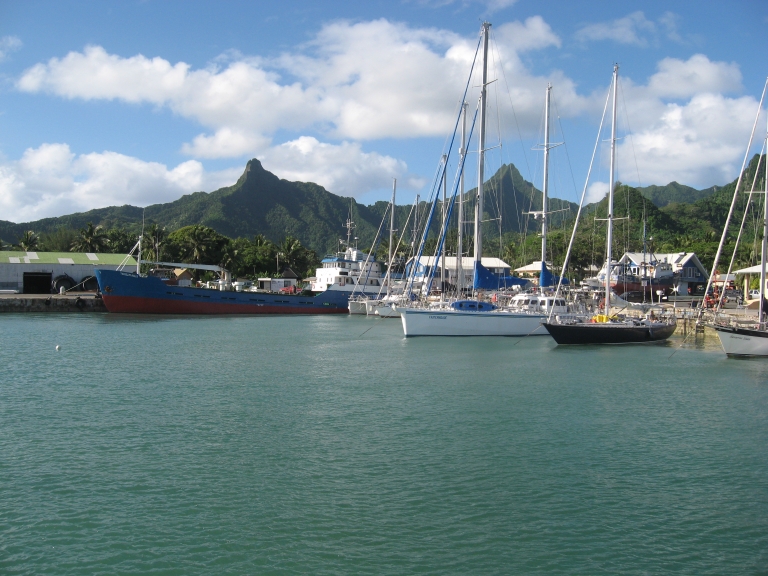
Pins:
x: 754, y: 294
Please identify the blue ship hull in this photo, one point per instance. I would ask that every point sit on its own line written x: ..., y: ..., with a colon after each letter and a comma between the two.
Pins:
x: 128, y: 292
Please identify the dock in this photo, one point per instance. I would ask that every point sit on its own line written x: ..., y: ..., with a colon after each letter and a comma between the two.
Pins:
x: 72, y: 302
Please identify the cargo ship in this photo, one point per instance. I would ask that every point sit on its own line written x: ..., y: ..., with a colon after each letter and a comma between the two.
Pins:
x: 130, y: 292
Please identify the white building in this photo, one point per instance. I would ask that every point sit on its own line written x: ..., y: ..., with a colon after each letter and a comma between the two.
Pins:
x: 47, y: 272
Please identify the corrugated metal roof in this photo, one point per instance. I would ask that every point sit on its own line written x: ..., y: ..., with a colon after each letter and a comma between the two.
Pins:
x: 64, y: 258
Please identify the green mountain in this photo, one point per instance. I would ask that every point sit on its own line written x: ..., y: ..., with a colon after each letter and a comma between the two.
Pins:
x: 675, y: 193
x: 261, y: 203
x: 258, y: 203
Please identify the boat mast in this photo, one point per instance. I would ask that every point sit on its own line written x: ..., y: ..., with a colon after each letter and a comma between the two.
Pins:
x: 460, y: 235
x: 442, y: 251
x: 764, y: 251
x: 545, y: 182
x: 609, y: 233
x: 481, y: 153
x: 415, y: 226
x: 391, y: 234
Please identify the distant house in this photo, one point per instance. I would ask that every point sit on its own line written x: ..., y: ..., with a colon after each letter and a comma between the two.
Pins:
x: 689, y: 273
x: 183, y: 276
x: 531, y: 270
x: 275, y: 284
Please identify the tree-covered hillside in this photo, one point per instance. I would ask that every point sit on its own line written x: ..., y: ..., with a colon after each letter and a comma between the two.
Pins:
x: 262, y: 206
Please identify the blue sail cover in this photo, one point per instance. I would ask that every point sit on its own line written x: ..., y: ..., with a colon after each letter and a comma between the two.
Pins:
x: 487, y: 280
x: 546, y: 278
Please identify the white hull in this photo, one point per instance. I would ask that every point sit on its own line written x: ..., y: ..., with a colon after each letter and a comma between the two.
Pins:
x: 421, y: 322
x: 356, y: 307
x: 743, y: 342
x: 388, y: 311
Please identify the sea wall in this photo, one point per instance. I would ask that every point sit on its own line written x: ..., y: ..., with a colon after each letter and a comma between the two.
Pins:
x: 52, y: 303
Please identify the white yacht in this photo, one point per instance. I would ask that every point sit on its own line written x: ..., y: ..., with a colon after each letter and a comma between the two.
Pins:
x: 348, y: 271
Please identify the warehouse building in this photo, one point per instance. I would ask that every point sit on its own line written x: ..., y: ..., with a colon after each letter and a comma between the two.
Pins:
x: 48, y: 272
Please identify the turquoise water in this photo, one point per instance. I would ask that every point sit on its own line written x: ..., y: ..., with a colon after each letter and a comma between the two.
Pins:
x: 306, y: 445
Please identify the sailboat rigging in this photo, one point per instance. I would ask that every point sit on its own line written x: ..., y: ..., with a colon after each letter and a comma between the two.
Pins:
x: 607, y: 328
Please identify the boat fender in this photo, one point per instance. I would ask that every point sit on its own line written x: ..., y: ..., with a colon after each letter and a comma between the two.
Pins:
x: 79, y: 303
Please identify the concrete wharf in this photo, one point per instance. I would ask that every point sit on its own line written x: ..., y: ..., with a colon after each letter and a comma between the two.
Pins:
x: 71, y: 302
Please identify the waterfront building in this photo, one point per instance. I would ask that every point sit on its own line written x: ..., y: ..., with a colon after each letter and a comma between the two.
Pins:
x: 48, y: 272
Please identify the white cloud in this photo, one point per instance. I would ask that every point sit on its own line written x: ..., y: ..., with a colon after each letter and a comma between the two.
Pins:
x: 226, y: 143
x: 699, y: 143
x: 51, y: 180
x: 685, y: 78
x: 365, y: 81
x: 8, y: 44
x: 628, y: 30
x: 343, y: 169
x: 534, y: 34
x: 669, y: 21
x: 362, y: 81
x: 596, y: 192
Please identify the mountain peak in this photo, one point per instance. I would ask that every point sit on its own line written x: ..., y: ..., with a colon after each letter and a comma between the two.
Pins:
x: 254, y: 172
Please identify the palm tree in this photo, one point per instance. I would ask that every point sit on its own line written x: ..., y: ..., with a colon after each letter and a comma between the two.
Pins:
x: 229, y: 257
x: 90, y: 239
x: 290, y: 251
x: 29, y: 241
x: 198, y: 244
x: 261, y: 240
x: 154, y: 240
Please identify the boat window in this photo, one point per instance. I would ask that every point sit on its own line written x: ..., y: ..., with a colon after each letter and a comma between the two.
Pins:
x: 471, y: 305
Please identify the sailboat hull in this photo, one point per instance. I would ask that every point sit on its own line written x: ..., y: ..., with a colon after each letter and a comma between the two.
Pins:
x: 420, y: 322
x: 742, y: 341
x: 608, y: 333
x: 356, y: 307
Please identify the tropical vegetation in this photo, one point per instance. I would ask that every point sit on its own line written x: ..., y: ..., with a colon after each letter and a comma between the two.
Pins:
x: 263, y: 224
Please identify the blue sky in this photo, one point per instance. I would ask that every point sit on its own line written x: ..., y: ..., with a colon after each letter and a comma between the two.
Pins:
x: 139, y: 102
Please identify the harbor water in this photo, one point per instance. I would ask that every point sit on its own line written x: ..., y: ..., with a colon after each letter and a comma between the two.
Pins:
x: 332, y: 445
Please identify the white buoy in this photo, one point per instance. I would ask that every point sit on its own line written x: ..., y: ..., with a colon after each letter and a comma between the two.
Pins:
x: 58, y: 347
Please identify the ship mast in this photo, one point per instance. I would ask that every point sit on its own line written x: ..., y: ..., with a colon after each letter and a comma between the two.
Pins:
x: 442, y: 251
x: 544, y: 186
x: 764, y: 249
x: 391, y: 234
x: 609, y: 233
x: 481, y: 154
x: 460, y: 235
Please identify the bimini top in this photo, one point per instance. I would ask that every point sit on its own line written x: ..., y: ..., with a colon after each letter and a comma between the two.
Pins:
x: 473, y: 306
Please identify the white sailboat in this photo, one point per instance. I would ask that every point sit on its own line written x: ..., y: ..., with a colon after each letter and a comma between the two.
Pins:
x: 474, y: 317
x: 740, y: 339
